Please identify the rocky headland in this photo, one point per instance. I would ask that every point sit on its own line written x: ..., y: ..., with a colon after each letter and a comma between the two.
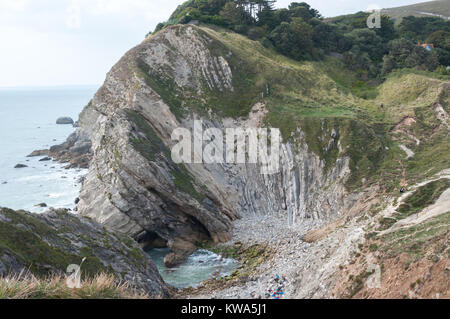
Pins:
x: 342, y: 162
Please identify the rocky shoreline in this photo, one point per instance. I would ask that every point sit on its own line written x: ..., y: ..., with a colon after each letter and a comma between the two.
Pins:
x: 76, y: 151
x: 291, y: 258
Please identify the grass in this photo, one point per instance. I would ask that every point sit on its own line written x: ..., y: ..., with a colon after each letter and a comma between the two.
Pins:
x: 422, y: 198
x: 149, y: 145
x: 358, y: 283
x: 417, y: 240
x: 428, y: 239
x: 437, y: 7
x: 31, y: 249
x: 164, y: 86
x: 102, y: 286
x: 285, y: 85
x: 402, y: 93
x: 432, y: 156
x: 249, y: 257
x: 320, y: 96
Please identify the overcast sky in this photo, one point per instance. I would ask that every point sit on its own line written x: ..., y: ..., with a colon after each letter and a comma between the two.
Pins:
x: 75, y: 42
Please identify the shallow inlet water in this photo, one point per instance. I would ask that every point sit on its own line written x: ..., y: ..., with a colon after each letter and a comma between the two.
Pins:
x: 200, y: 266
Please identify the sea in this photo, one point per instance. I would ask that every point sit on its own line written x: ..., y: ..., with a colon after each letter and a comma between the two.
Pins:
x: 27, y: 123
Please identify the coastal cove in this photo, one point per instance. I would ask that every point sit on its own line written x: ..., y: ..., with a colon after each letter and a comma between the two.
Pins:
x: 238, y: 151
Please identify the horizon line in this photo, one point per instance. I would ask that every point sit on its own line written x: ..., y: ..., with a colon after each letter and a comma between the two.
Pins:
x: 48, y: 86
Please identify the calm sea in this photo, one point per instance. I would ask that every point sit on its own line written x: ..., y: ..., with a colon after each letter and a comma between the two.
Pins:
x: 27, y: 123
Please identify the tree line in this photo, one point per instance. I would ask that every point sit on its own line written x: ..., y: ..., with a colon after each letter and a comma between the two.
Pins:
x: 300, y: 32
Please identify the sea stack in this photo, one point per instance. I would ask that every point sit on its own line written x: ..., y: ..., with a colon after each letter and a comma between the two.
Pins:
x: 65, y: 120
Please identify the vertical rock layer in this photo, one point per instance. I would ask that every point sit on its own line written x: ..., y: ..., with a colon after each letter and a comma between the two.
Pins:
x: 133, y: 185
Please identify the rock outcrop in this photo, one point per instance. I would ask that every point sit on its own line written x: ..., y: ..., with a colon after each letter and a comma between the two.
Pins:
x: 75, y: 151
x: 134, y: 187
x: 38, y: 153
x: 64, y: 120
x: 48, y: 243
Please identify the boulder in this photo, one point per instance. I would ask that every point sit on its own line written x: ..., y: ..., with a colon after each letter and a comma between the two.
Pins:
x: 45, y: 159
x: 65, y: 120
x: 38, y: 153
x: 75, y: 151
x: 180, y: 251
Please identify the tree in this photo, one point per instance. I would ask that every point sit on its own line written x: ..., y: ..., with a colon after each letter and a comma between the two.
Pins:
x: 325, y: 36
x: 294, y: 39
x: 266, y: 16
x: 406, y: 54
x: 419, y: 29
x: 303, y: 35
x: 387, y: 30
x: 231, y: 13
x: 440, y: 39
x: 388, y: 64
x: 304, y: 10
x: 443, y: 56
x: 360, y: 61
x: 369, y: 42
x: 283, y: 38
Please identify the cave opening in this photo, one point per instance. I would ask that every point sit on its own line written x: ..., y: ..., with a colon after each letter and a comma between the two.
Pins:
x: 150, y: 240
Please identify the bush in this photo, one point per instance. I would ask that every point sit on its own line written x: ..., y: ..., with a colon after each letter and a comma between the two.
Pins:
x: 406, y: 54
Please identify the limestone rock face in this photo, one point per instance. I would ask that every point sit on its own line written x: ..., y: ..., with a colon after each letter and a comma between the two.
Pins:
x: 134, y: 187
x: 48, y: 243
x: 76, y: 151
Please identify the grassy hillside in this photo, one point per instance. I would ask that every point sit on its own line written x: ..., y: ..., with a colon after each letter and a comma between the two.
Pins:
x: 439, y: 7
x: 324, y: 96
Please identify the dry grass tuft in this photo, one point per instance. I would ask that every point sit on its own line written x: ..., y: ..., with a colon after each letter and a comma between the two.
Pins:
x: 102, y: 286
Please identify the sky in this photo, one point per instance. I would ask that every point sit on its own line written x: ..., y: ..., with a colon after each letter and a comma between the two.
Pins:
x: 76, y: 42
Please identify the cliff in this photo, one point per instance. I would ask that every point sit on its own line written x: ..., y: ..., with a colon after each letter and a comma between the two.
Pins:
x: 184, y: 73
x: 340, y: 155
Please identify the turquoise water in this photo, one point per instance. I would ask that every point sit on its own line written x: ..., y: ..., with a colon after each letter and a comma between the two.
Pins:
x: 28, y: 122
x: 200, y: 266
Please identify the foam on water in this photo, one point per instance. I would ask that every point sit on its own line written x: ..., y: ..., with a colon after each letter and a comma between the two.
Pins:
x: 200, y: 266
